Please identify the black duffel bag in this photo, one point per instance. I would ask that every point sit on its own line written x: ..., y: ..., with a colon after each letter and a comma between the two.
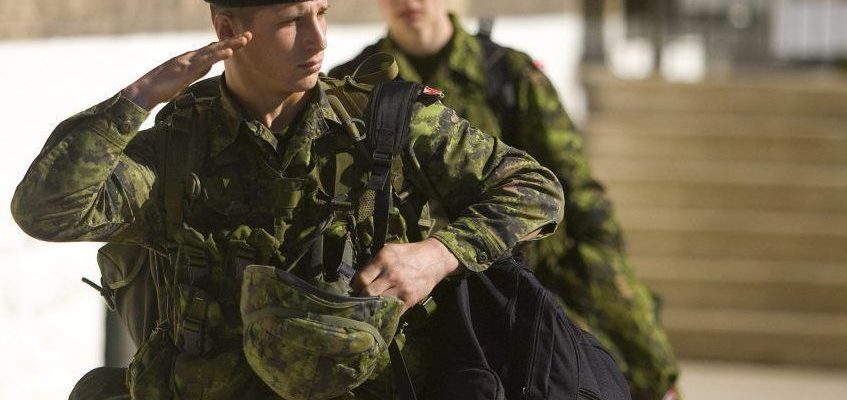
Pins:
x: 506, y: 337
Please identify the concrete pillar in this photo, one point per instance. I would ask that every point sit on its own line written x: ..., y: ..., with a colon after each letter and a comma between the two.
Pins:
x: 593, y: 47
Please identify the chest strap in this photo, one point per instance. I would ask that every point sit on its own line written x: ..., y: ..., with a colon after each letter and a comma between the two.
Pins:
x: 388, y: 112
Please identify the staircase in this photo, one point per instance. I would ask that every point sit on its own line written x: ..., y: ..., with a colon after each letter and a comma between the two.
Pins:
x: 733, y: 198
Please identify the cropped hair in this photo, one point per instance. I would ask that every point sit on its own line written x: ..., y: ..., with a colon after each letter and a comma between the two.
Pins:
x: 244, y: 15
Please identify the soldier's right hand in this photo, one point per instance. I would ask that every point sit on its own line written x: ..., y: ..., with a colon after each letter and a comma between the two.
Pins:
x: 169, y: 79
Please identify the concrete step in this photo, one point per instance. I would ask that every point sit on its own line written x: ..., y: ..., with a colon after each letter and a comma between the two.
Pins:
x: 733, y: 200
x: 671, y: 139
x: 740, y: 271
x: 702, y: 379
x: 731, y: 97
x: 743, y: 335
x: 728, y: 172
x: 740, y: 234
x: 695, y: 124
x: 746, y: 284
x: 774, y: 197
x: 745, y: 221
x: 722, y: 244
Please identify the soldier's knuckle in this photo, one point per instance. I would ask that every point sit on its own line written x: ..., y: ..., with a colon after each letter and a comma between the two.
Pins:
x: 384, y: 260
x: 403, y: 286
x: 184, y: 63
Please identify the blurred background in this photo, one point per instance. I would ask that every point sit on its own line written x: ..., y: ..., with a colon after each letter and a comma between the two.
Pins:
x: 718, y: 126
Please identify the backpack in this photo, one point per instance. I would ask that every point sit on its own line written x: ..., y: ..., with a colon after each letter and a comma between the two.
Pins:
x: 510, y: 340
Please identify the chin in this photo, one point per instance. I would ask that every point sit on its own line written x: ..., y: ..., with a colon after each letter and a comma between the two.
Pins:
x: 306, y: 83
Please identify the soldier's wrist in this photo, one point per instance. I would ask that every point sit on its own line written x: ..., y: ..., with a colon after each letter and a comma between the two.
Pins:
x: 135, y: 94
x: 447, y: 260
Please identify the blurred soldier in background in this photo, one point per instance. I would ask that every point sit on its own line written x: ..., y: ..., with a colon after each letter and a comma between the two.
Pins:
x: 503, y: 92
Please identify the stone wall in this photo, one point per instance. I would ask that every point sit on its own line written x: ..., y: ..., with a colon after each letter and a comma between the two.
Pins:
x: 21, y: 19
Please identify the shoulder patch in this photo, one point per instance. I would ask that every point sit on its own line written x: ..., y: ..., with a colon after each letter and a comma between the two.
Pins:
x: 538, y: 64
x: 430, y: 95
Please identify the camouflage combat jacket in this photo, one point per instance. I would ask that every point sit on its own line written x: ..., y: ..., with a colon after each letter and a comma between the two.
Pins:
x: 584, y: 264
x: 99, y: 179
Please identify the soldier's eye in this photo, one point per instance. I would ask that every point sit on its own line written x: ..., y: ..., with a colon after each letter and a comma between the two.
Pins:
x: 289, y: 21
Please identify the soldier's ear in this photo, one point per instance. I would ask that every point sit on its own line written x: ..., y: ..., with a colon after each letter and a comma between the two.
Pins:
x: 224, y: 25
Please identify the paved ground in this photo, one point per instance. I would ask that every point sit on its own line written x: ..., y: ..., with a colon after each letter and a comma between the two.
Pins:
x: 724, y: 381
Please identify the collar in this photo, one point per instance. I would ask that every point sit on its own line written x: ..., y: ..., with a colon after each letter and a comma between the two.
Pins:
x: 232, y: 118
x: 462, y: 47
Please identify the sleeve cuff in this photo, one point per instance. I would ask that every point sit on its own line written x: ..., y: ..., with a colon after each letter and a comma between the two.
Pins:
x: 124, y: 116
x: 467, y: 241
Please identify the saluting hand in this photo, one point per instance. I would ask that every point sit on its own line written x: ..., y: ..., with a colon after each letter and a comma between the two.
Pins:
x: 409, y: 271
x: 169, y: 79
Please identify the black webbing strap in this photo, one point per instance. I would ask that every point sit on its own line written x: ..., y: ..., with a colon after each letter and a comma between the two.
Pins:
x: 402, y: 381
x: 500, y: 91
x: 389, y: 111
x: 183, y: 147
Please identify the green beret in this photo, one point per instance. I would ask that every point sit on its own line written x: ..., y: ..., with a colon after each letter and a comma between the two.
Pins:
x: 249, y: 3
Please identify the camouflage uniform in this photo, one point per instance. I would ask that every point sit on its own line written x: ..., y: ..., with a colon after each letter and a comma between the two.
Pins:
x: 584, y: 264
x: 99, y: 179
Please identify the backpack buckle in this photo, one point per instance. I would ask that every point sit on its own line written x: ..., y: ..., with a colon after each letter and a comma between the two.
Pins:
x: 381, y: 168
x: 191, y: 336
x: 382, y: 158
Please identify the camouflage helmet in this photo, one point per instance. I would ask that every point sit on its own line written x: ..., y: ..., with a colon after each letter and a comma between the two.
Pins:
x: 308, y: 343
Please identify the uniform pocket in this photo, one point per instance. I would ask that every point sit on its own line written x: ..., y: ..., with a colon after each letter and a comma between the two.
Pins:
x: 149, y: 373
x: 128, y: 286
x: 219, y: 376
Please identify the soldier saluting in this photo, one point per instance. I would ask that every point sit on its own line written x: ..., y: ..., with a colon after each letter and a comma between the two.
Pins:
x: 273, y: 176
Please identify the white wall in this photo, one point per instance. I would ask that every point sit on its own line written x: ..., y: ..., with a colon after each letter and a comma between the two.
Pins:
x: 809, y: 29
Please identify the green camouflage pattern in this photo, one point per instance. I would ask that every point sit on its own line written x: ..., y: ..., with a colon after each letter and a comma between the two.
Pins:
x: 99, y: 179
x: 308, y: 344
x: 585, y: 263
x: 103, y: 383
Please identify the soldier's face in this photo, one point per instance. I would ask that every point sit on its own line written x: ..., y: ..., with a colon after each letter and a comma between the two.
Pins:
x: 288, y: 44
x: 411, y: 13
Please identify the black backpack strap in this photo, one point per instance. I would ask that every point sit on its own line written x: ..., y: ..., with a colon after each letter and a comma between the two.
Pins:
x: 184, y: 147
x: 486, y: 26
x: 402, y: 380
x: 388, y: 113
x: 500, y: 91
